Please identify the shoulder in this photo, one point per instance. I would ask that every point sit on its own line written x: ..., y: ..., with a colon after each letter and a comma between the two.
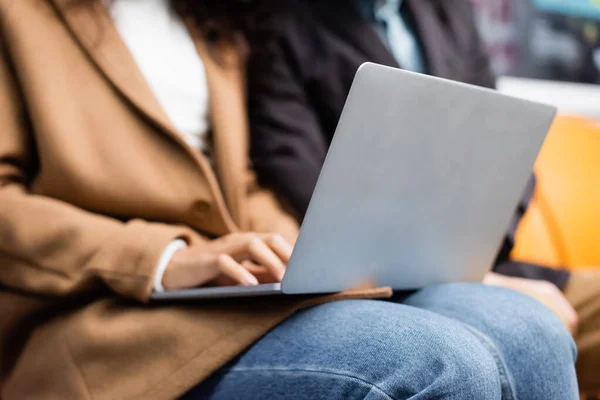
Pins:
x: 294, y: 19
x: 294, y: 31
x: 460, y: 17
x: 463, y: 10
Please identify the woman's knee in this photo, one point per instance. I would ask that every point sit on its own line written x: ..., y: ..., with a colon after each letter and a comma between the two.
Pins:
x: 532, y: 342
x: 520, y: 319
x: 399, y: 350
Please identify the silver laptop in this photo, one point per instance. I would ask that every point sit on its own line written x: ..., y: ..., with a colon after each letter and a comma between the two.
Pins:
x: 418, y: 188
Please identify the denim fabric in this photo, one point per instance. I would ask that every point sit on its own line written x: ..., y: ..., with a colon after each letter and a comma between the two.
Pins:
x: 459, y: 341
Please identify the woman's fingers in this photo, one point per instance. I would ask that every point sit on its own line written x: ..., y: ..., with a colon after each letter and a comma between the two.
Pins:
x: 232, y: 269
x: 280, y: 246
x: 239, y: 258
x: 261, y: 273
x: 253, y: 268
x: 263, y: 255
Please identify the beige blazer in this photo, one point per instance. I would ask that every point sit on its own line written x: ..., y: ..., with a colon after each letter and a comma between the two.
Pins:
x: 94, y: 182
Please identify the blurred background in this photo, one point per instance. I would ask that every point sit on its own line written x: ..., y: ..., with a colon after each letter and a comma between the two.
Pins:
x: 545, y: 50
x: 549, y: 51
x: 545, y: 39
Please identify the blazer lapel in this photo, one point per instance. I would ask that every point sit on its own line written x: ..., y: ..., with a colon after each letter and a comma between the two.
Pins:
x: 225, y: 69
x: 93, y: 28
x: 347, y: 22
x: 437, y: 53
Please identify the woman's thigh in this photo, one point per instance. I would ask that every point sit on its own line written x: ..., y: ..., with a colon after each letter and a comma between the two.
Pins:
x: 360, y: 349
x: 535, y: 352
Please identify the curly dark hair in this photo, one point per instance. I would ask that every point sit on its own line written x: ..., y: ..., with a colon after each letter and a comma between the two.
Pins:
x: 223, y: 19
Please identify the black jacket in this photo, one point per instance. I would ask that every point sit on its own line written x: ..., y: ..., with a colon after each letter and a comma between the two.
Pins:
x: 299, y: 79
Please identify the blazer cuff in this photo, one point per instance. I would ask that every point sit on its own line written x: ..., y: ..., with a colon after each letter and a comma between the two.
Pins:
x: 128, y: 264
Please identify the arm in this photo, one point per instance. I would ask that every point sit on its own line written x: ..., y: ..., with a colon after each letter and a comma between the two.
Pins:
x: 51, y: 248
x: 288, y: 147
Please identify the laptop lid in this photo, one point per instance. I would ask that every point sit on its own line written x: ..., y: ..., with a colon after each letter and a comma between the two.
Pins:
x: 419, y: 185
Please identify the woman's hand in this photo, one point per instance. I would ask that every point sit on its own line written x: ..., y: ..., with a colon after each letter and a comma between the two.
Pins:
x: 235, y: 259
x: 545, y: 292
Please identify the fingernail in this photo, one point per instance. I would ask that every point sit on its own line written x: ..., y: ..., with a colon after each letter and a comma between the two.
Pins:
x: 251, y: 281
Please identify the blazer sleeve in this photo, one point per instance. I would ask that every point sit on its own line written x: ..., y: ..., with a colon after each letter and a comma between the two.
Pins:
x: 51, y: 248
x: 287, y: 146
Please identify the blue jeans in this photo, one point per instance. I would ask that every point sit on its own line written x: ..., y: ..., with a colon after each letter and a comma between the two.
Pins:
x: 458, y: 341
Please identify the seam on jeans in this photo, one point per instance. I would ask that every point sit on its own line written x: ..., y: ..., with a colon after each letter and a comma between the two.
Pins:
x: 507, y: 390
x: 334, y: 373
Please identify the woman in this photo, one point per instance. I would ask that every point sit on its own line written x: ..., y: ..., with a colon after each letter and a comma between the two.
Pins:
x: 105, y: 196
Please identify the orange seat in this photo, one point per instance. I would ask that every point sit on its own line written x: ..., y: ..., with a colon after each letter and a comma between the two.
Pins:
x: 562, y: 224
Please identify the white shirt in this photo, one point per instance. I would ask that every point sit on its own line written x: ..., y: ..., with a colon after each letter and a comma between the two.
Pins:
x: 166, y: 55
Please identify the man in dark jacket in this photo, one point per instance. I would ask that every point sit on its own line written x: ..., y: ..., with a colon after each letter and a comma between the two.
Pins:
x: 299, y: 80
